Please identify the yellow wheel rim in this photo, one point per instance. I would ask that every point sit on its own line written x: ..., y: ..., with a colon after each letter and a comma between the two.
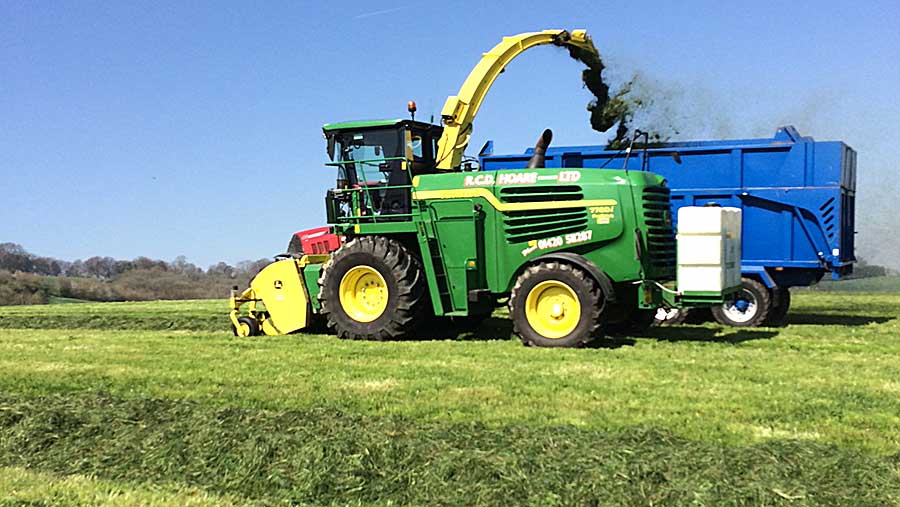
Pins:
x: 243, y: 330
x: 363, y: 294
x: 552, y: 309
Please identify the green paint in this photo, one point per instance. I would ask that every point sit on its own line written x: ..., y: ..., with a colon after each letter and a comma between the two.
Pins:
x: 347, y: 125
x: 478, y: 231
x: 311, y: 280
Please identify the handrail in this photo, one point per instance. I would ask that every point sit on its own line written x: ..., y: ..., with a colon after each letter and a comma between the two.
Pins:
x: 367, y: 161
x: 357, y: 203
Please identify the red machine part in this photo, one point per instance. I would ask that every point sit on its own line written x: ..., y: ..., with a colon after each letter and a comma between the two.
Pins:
x: 315, y: 241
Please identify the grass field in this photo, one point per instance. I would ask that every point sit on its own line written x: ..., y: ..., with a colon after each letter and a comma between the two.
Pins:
x: 156, y: 404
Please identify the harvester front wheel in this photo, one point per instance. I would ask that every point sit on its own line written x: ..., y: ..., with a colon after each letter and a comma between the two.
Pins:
x: 373, y: 288
x: 555, y: 304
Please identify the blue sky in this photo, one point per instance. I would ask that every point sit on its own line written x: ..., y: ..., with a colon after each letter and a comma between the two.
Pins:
x: 189, y: 128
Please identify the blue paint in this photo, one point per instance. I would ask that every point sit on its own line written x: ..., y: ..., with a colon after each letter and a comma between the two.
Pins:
x: 797, y: 195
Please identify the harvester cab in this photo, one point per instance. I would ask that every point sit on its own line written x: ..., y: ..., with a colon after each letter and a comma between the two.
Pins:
x: 375, y: 162
x: 576, y: 254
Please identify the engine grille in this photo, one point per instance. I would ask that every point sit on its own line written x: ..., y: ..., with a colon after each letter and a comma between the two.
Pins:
x: 660, y: 234
x: 522, y: 226
x: 540, y: 194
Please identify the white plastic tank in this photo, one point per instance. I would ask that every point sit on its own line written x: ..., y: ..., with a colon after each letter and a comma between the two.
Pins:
x: 709, y: 249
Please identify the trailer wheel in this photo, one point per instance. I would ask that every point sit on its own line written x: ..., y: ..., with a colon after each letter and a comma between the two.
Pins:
x: 670, y: 316
x: 749, y: 308
x: 373, y: 288
x: 781, y: 297
x: 247, y: 326
x: 555, y: 304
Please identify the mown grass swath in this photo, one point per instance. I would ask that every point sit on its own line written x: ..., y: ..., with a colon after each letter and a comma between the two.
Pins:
x: 698, y: 415
x: 329, y: 456
x: 205, y: 315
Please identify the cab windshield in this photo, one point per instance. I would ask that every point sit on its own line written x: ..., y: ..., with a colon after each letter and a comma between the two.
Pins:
x: 367, y: 156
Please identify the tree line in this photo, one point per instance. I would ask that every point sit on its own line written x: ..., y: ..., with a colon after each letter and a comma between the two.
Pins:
x: 26, y: 278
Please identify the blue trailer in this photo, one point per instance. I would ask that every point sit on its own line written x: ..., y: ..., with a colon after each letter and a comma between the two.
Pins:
x: 797, y: 197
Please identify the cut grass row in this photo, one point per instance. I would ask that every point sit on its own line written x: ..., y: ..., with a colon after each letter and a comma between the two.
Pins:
x: 21, y: 487
x: 327, y: 456
x: 841, y: 309
x: 198, y: 315
x: 804, y: 415
x: 825, y: 382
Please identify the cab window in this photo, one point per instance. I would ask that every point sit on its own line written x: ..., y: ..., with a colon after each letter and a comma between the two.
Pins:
x: 416, y: 147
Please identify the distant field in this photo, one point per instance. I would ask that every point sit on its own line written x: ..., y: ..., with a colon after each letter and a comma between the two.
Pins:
x: 157, y: 404
x: 874, y: 284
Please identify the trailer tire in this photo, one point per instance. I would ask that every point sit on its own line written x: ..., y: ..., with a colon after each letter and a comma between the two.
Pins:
x: 781, y: 297
x: 555, y: 304
x: 397, y: 301
x: 750, y: 308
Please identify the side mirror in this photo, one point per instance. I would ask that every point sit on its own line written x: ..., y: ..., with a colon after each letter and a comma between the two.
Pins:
x: 330, y: 147
x: 676, y: 157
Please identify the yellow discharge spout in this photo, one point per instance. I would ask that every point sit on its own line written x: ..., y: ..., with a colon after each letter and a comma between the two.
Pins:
x: 459, y: 111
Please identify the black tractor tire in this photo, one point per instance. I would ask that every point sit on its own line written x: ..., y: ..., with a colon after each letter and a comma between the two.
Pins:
x: 637, y: 324
x: 590, y: 296
x: 295, y: 246
x: 251, y: 323
x: 781, y: 297
x: 757, y: 301
x: 407, y: 295
x: 670, y: 316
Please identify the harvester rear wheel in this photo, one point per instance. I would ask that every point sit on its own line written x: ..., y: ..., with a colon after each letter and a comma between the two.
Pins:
x: 555, y: 304
x: 373, y: 288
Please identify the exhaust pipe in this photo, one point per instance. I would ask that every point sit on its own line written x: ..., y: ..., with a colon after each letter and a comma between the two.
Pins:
x: 540, y: 150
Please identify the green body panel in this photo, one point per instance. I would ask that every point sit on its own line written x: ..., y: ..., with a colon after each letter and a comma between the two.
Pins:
x: 477, y: 231
x: 591, y: 213
x: 311, y: 279
x: 455, y: 232
x: 385, y: 228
